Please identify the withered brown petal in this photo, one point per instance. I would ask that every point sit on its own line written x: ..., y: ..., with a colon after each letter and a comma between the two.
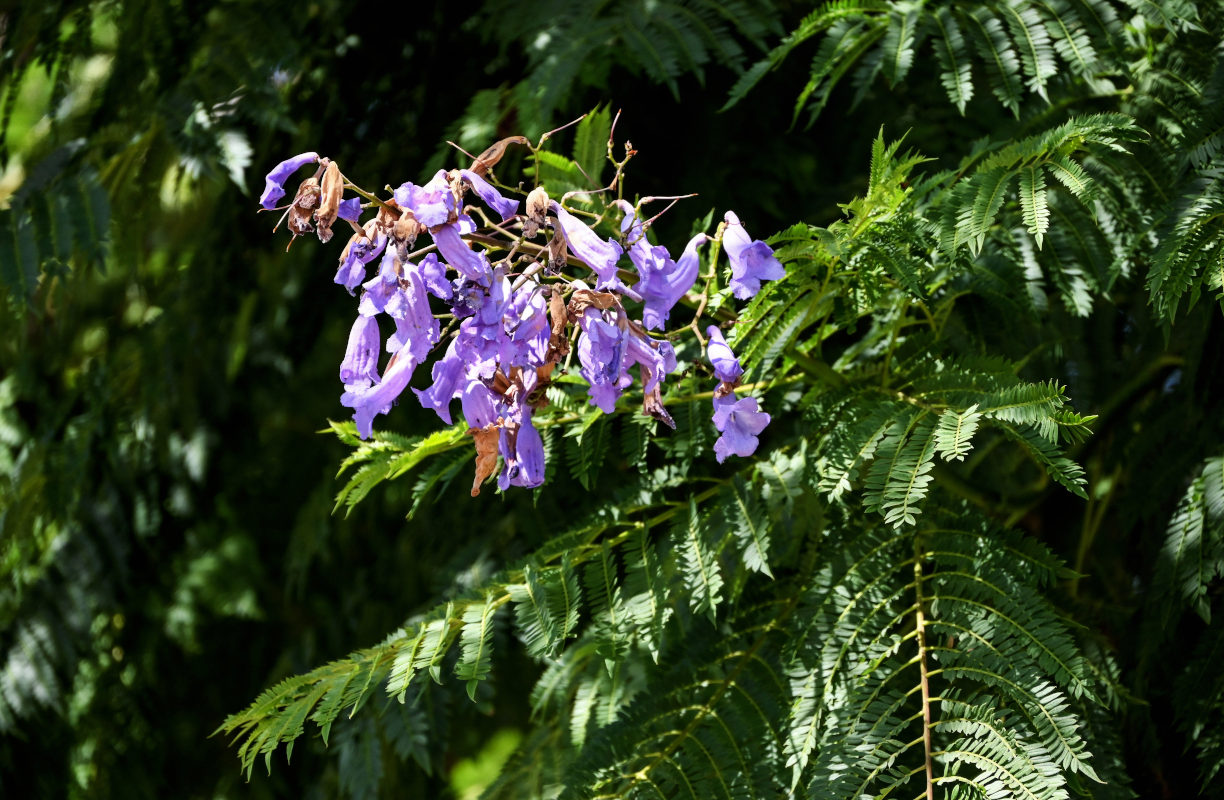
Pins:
x: 557, y: 253
x: 489, y: 158
x: 558, y: 342
x: 330, y: 191
x: 486, y: 454
x: 307, y: 196
x: 652, y: 405
x: 537, y: 203
x: 406, y: 227
x: 388, y: 215
x: 587, y: 298
x: 299, y: 221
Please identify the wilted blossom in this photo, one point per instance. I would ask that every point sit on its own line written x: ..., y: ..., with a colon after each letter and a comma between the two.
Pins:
x: 752, y: 261
x: 739, y: 422
x: 274, y: 182
x: 599, y: 254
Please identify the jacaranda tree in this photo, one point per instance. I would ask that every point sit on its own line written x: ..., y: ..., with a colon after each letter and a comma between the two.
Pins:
x: 919, y: 497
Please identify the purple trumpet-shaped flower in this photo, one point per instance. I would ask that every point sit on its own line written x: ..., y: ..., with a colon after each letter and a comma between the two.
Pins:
x: 656, y: 357
x: 349, y: 209
x: 656, y: 360
x: 526, y: 467
x: 527, y: 328
x: 447, y: 373
x: 599, y: 254
x: 381, y: 289
x: 359, y: 369
x: 664, y: 281
x: 492, y: 198
x: 415, y: 326
x: 369, y: 402
x: 483, y: 335
x: 726, y: 366
x: 740, y: 422
x: 466, y: 261
x: 601, y: 351
x: 521, y: 447
x: 274, y: 183
x: 431, y: 204
x: 752, y: 261
x: 361, y: 251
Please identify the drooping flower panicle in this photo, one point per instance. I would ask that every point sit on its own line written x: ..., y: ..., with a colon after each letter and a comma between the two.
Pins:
x: 510, y: 319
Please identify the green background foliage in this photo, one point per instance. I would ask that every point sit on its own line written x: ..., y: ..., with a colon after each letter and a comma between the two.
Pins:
x: 992, y: 490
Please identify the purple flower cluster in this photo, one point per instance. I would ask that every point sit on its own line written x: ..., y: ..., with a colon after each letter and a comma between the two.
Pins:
x: 739, y: 421
x: 507, y: 336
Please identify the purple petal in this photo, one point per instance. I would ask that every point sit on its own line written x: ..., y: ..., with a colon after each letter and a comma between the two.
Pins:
x: 740, y: 422
x: 530, y: 456
x: 586, y: 246
x: 361, y: 357
x: 349, y: 209
x: 415, y: 326
x: 459, y: 255
x: 488, y: 193
x: 657, y: 359
x: 664, y: 281
x: 601, y: 351
x: 434, y: 273
x: 431, y: 204
x: 274, y: 182
x: 378, y: 399
x: 527, y: 324
x: 479, y: 405
x: 726, y: 366
x: 522, y: 451
x: 381, y: 289
x: 352, y: 268
x: 752, y: 261
x: 447, y: 371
